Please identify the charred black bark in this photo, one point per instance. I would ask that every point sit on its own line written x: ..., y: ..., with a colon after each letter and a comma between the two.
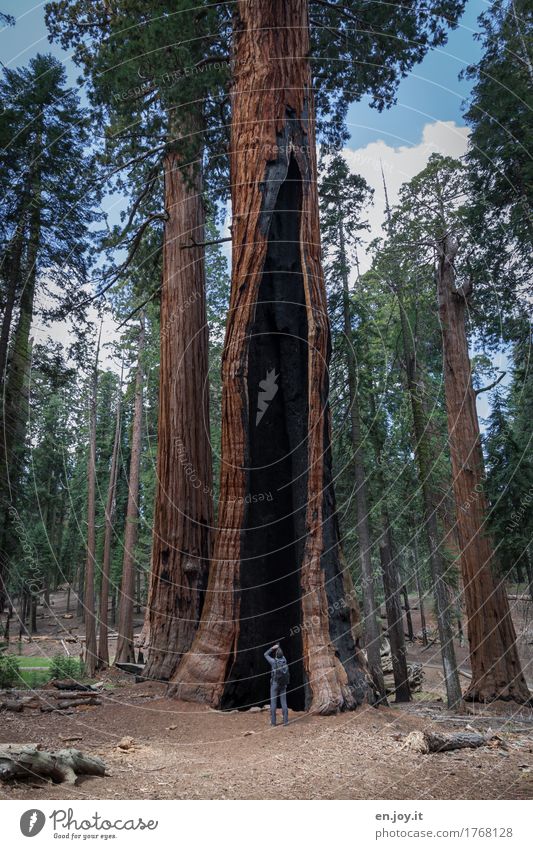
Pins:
x: 273, y: 536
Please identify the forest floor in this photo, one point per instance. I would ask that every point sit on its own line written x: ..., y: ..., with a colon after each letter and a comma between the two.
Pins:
x: 186, y: 751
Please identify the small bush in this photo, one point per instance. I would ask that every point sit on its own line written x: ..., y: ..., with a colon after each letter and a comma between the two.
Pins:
x: 9, y: 670
x: 66, y: 667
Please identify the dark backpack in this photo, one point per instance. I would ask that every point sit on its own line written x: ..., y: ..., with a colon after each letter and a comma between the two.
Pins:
x: 280, y: 673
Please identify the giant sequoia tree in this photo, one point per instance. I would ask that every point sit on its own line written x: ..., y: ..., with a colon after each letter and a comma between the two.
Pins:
x: 151, y: 66
x: 440, y: 220
x: 277, y: 572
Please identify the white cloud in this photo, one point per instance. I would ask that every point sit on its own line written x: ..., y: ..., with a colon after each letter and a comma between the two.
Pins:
x: 400, y: 164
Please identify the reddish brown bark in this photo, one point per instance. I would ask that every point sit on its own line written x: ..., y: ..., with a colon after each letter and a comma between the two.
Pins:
x: 88, y: 595
x: 184, y: 511
x: 125, y: 650
x: 103, y: 648
x: 277, y: 570
x: 496, y: 667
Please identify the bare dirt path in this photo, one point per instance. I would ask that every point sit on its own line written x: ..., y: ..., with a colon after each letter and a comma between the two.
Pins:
x: 188, y: 751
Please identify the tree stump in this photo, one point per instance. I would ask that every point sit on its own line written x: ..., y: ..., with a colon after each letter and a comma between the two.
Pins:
x: 65, y: 765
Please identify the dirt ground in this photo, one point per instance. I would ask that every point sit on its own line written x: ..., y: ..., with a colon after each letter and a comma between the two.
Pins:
x: 186, y: 751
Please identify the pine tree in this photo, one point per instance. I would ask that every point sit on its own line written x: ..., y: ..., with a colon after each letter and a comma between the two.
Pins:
x: 46, y: 239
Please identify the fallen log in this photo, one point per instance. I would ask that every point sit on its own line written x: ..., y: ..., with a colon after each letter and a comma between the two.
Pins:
x: 66, y: 704
x: 431, y: 742
x: 64, y: 765
x: 13, y: 706
x: 68, y: 684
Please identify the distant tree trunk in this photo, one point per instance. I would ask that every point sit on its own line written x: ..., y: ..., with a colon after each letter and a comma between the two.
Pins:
x: 138, y: 590
x: 90, y: 564
x: 125, y: 648
x: 420, y: 596
x: 390, y: 576
x: 103, y: 648
x: 529, y: 571
x: 184, y: 500
x: 371, y: 627
x: 80, y: 581
x: 496, y: 668
x: 33, y: 613
x: 429, y: 499
x: 277, y: 572
x: 408, y: 618
x: 7, y: 625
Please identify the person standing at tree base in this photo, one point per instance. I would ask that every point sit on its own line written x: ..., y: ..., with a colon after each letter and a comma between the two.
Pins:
x: 279, y: 679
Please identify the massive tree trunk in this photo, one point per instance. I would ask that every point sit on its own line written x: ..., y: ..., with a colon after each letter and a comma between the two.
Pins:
x: 125, y: 649
x: 88, y: 594
x: 430, y: 501
x: 277, y: 573
x: 496, y: 667
x: 103, y: 648
x: 184, y: 501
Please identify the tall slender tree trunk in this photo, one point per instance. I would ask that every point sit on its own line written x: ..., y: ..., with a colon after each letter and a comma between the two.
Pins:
x: 420, y: 592
x: 496, y: 668
x: 371, y: 625
x: 391, y: 584
x: 125, y: 648
x: 90, y: 563
x: 14, y: 405
x: 13, y: 278
x: 407, y: 608
x: 103, y: 647
x: 277, y: 572
x: 184, y: 500
x: 429, y: 500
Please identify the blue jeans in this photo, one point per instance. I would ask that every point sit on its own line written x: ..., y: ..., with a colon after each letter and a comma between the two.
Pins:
x: 275, y: 691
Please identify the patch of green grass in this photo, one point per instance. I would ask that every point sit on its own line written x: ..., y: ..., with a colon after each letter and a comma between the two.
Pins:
x: 34, y: 661
x: 33, y: 678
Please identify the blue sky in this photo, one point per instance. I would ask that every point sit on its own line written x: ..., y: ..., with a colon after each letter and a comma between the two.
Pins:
x: 432, y: 92
x: 427, y: 115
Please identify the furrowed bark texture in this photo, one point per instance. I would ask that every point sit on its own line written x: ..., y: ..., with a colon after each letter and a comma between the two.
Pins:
x: 125, y: 648
x: 90, y: 565
x: 277, y: 572
x: 184, y: 501
x: 496, y: 668
x: 422, y: 448
x: 372, y: 628
x: 103, y: 647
